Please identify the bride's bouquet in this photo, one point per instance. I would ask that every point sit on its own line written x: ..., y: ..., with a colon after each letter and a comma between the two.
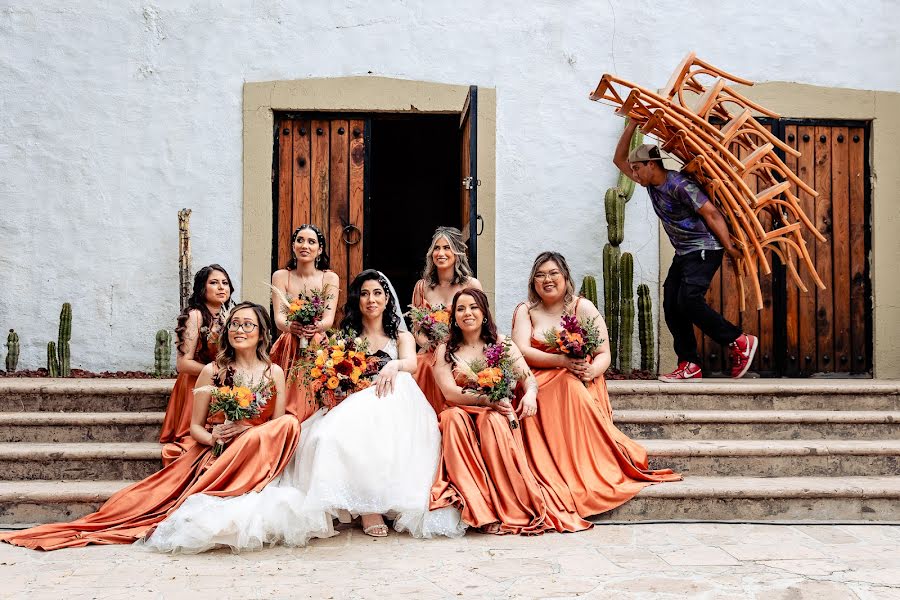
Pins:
x: 307, y: 308
x: 237, y: 402
x: 336, y: 367
x: 494, y: 376
x: 433, y: 323
x: 575, y: 338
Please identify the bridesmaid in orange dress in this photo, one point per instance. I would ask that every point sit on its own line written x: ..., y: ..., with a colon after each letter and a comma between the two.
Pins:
x: 197, y: 332
x: 446, y: 272
x: 484, y: 469
x: 307, y: 270
x: 573, y: 446
x: 256, y: 450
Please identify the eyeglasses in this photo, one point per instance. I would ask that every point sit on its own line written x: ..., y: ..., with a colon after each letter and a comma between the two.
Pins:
x: 546, y: 276
x: 246, y: 326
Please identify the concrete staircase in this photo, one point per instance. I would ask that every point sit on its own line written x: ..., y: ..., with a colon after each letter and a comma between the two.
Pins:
x: 815, y: 450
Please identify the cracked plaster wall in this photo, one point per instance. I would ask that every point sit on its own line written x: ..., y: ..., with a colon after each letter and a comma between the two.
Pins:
x: 115, y: 115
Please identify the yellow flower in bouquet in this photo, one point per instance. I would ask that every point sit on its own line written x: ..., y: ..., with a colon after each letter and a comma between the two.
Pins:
x: 333, y: 382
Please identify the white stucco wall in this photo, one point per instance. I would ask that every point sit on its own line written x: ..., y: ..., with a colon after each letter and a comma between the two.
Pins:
x: 115, y: 115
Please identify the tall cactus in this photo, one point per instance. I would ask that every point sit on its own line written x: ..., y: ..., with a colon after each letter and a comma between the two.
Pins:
x: 52, y: 360
x: 62, y: 342
x: 12, y: 351
x: 645, y: 328
x: 615, y: 215
x: 163, y: 353
x: 589, y: 289
x: 626, y: 301
x: 611, y: 257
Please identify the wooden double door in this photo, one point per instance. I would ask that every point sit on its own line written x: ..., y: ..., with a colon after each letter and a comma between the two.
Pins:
x: 323, y: 174
x: 821, y: 331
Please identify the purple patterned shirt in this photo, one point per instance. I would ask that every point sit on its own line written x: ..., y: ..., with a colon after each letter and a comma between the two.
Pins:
x: 677, y: 202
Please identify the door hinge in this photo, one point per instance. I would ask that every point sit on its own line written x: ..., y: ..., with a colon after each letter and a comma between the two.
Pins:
x: 467, y: 182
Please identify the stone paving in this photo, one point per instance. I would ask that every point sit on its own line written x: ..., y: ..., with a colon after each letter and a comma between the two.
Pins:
x: 658, y: 561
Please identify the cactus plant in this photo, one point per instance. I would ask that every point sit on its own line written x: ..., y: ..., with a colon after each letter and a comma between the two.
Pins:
x: 589, y: 289
x: 163, y: 353
x: 62, y: 343
x: 645, y: 328
x: 12, y: 351
x: 626, y: 308
x: 611, y: 257
x: 615, y: 215
x: 52, y: 360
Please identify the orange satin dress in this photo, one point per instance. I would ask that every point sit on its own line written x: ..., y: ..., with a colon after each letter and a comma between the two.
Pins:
x: 484, y: 472
x: 249, y: 462
x: 424, y: 374
x: 284, y: 352
x: 176, y: 427
x: 574, y: 448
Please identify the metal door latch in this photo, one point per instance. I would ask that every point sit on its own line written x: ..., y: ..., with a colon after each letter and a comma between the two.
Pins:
x: 467, y: 182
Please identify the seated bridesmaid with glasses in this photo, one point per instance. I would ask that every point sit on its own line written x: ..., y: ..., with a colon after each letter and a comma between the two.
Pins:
x: 255, y: 450
x: 599, y: 468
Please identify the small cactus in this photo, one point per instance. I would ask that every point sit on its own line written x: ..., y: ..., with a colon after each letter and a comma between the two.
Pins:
x: 12, y: 351
x: 163, y: 353
x: 611, y: 257
x: 52, y: 360
x: 615, y: 215
x: 589, y: 289
x: 645, y: 328
x: 65, y: 334
x: 626, y: 300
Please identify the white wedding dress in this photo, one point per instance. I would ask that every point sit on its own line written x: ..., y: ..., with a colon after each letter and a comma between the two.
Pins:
x: 367, y: 455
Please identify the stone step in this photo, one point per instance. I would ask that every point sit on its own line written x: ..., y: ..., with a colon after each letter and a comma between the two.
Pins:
x: 776, y: 458
x: 79, y: 460
x: 757, y: 394
x: 757, y: 458
x: 812, y: 499
x: 84, y: 395
x: 80, y: 427
x: 695, y: 498
x: 758, y: 424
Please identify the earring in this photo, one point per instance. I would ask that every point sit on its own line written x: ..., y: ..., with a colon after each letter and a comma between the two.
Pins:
x: 484, y: 321
x: 317, y: 262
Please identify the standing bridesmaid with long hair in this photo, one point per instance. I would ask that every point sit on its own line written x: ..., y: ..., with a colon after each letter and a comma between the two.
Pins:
x: 484, y: 470
x: 307, y: 270
x: 197, y: 333
x: 598, y: 468
x: 446, y: 272
x: 256, y: 449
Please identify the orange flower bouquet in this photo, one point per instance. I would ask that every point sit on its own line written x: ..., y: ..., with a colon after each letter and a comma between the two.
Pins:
x: 575, y: 338
x: 307, y: 308
x: 494, y: 376
x: 433, y: 323
x: 237, y: 402
x: 336, y: 367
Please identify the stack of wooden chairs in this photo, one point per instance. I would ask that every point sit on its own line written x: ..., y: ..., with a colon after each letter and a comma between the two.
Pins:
x: 702, y: 121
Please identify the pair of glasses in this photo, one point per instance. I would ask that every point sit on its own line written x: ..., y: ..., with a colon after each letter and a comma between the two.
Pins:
x: 546, y: 276
x: 246, y: 326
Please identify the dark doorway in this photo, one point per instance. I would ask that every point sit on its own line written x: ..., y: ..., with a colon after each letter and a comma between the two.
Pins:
x: 413, y: 187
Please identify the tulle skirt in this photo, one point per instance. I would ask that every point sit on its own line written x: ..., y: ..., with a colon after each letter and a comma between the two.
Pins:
x: 368, y: 455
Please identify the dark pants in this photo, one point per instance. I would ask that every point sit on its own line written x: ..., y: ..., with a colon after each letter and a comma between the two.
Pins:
x: 684, y: 303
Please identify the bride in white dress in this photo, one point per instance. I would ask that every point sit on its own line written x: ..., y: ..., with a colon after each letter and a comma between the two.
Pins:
x: 373, y: 455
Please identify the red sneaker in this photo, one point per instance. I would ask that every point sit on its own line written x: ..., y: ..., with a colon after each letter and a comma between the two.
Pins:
x: 686, y: 371
x: 742, y: 350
